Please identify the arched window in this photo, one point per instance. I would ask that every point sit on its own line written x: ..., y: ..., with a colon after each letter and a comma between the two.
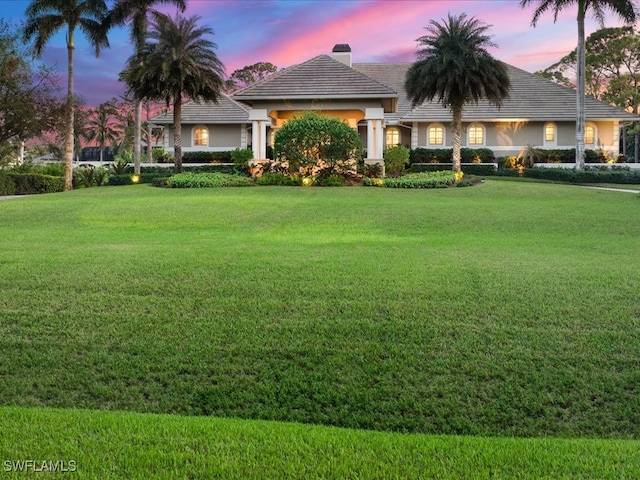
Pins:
x: 475, y: 135
x: 201, y: 136
x: 550, y: 134
x: 435, y: 134
x: 392, y: 137
x: 590, y: 134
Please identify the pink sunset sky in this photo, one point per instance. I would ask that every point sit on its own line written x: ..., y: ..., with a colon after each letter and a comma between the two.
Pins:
x: 285, y: 32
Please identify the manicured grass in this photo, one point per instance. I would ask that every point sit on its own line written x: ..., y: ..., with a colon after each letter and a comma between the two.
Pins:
x: 109, y: 445
x: 506, y: 309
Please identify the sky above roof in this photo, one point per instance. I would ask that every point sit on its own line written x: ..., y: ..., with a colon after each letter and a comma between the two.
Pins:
x: 285, y: 32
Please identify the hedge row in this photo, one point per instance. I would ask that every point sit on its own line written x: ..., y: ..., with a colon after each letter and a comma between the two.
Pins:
x: 15, y: 183
x: 207, y: 157
x: 125, y: 178
x: 445, y: 155
x: 584, y: 176
x: 205, y: 180
x: 168, y: 171
x: 469, y: 168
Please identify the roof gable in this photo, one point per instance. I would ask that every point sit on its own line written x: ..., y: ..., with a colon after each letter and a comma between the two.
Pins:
x: 320, y: 77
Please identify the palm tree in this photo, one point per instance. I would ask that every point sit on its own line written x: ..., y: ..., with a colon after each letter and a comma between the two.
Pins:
x: 623, y: 8
x: 43, y: 19
x: 454, y: 65
x: 136, y: 13
x: 178, y: 61
x: 101, y: 127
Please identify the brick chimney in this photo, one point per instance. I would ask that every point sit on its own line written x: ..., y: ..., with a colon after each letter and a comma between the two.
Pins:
x: 342, y: 53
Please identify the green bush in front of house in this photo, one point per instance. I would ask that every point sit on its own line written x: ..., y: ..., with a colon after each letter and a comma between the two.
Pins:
x: 206, y: 180
x: 439, y: 179
x: 207, y: 157
x: 395, y: 160
x: 444, y: 155
x: 35, y: 183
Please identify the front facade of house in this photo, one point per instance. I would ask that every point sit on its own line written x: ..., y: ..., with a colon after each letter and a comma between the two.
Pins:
x: 370, y: 97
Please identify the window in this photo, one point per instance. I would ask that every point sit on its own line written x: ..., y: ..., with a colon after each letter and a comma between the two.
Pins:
x: 393, y: 137
x: 201, y: 136
x: 590, y: 134
x: 550, y: 134
x: 436, y: 135
x: 476, y: 134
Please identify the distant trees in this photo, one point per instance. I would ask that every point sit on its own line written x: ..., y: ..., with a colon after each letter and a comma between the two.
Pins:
x: 102, y: 127
x: 30, y: 96
x: 248, y: 75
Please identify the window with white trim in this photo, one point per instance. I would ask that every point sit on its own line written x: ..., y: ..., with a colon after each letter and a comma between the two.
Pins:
x: 435, y: 135
x: 201, y: 136
x: 475, y: 134
x: 392, y: 137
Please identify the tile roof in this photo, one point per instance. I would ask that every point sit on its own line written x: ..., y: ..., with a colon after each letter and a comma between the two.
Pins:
x: 391, y: 74
x: 531, y: 98
x: 321, y: 77
x: 226, y: 110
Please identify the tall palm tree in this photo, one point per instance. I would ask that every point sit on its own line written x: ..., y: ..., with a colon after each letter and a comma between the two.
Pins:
x: 101, y: 127
x: 136, y: 14
x: 43, y: 19
x: 625, y: 9
x: 454, y: 66
x: 178, y: 61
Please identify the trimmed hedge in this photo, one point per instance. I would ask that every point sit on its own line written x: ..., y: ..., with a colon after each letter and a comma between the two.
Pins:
x: 125, y: 179
x: 35, y: 183
x: 470, y: 168
x: 7, y: 185
x: 206, y: 180
x: 444, y: 155
x: 211, y: 168
x: 207, y: 157
x: 439, y: 179
x: 584, y: 176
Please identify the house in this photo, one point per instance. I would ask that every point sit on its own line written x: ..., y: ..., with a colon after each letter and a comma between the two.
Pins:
x: 371, y: 98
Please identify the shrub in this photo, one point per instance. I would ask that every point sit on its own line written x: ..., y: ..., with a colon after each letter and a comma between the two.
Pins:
x: 470, y: 168
x: 205, y: 180
x: 210, y: 168
x: 273, y: 178
x: 373, y: 182
x: 160, y: 156
x: 445, y: 155
x: 206, y: 157
x: 125, y: 179
x: 329, y: 181
x: 241, y: 158
x: 371, y: 170
x: 34, y: 183
x: 7, y: 185
x: 584, y: 176
x: 395, y: 160
x: 311, y: 142
x: 439, y: 179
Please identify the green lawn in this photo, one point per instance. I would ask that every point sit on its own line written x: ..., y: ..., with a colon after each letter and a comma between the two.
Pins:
x: 505, y: 309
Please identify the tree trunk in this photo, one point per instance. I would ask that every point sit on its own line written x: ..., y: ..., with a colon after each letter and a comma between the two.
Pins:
x: 137, y: 129
x: 177, y: 134
x: 148, y: 135
x: 68, y: 147
x: 636, y: 144
x: 580, y: 91
x: 457, y: 138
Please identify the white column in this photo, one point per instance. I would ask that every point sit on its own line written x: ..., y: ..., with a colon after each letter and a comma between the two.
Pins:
x: 414, y: 135
x: 375, y: 132
x: 259, y: 121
